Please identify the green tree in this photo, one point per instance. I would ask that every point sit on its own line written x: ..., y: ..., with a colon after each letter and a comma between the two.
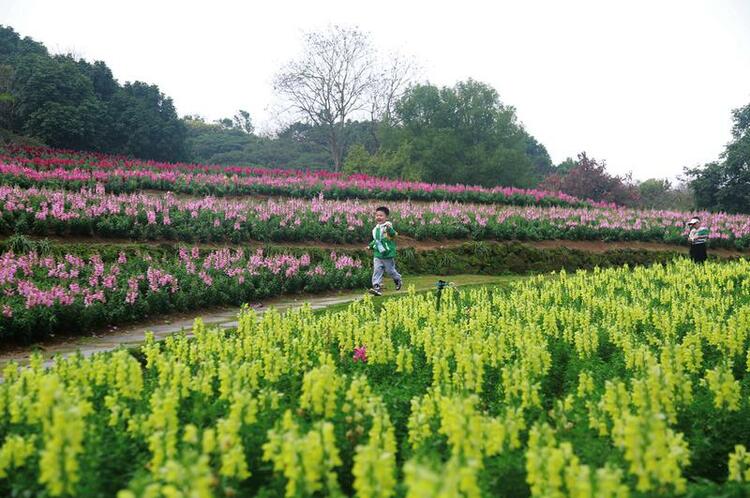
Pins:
x: 207, y: 140
x: 465, y: 134
x: 358, y: 160
x: 398, y: 164
x: 6, y: 97
x: 145, y: 124
x: 56, y: 103
x: 243, y: 122
x: 564, y: 167
x: 297, y: 146
x: 225, y: 123
x: 660, y: 193
x: 654, y: 192
x: 539, y: 157
x: 69, y: 102
x: 104, y: 83
x: 12, y: 46
x: 725, y: 185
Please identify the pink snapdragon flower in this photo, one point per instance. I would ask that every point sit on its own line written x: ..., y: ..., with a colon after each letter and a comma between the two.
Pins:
x: 360, y: 354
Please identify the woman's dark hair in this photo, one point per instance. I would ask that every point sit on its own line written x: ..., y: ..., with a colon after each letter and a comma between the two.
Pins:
x: 384, y: 210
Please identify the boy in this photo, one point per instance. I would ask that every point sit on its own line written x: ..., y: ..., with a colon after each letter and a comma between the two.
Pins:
x: 698, y: 238
x: 384, y: 248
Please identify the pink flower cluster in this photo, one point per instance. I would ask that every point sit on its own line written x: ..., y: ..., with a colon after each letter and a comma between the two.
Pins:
x: 46, y: 281
x: 360, y: 354
x: 722, y: 225
x: 41, y: 164
x: 342, y: 261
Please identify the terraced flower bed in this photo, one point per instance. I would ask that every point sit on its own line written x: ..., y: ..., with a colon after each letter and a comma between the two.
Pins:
x: 42, y: 295
x: 45, y: 212
x: 39, y: 166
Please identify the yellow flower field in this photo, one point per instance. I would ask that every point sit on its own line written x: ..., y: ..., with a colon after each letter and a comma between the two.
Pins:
x: 611, y: 383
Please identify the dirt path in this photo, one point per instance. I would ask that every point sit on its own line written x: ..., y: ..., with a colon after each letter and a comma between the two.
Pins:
x: 133, y: 334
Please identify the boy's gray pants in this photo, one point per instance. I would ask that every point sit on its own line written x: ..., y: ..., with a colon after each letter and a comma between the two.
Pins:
x: 380, y: 266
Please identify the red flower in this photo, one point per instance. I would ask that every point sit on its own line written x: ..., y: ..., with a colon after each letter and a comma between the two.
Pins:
x: 360, y: 354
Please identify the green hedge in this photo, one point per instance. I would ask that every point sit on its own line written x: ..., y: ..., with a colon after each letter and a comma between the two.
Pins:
x: 489, y: 258
x: 493, y: 258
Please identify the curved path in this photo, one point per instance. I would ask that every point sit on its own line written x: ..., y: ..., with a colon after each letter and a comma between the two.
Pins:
x: 132, y: 335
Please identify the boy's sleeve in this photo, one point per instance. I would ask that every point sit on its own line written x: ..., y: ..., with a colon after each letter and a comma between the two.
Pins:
x: 371, y: 245
x: 391, y: 231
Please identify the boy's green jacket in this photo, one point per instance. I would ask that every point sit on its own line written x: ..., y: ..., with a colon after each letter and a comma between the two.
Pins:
x: 382, y: 244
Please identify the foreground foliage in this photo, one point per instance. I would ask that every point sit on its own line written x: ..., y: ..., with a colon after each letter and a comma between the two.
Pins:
x: 609, y: 383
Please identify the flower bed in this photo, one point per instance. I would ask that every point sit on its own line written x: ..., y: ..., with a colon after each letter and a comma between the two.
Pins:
x: 44, y: 294
x: 586, y: 385
x: 46, y: 212
x: 38, y: 166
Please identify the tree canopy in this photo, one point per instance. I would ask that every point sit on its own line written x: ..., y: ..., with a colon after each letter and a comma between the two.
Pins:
x: 71, y: 103
x: 724, y: 185
x: 462, y: 134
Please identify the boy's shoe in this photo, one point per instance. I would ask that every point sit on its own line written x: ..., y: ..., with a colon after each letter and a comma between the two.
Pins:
x: 375, y: 291
x: 398, y: 285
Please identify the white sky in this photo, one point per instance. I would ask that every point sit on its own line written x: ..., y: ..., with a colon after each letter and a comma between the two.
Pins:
x: 646, y: 85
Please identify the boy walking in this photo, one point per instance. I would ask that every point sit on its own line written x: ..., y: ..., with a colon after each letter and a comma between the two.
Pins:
x: 384, y: 251
x: 698, y: 239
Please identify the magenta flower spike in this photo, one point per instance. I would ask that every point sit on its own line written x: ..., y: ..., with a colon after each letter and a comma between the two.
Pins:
x: 360, y: 354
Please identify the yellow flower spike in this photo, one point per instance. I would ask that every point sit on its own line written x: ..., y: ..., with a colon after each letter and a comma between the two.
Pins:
x: 739, y: 464
x: 724, y: 386
x: 208, y: 441
x: 585, y: 384
x: 423, y: 410
x: 320, y: 388
x: 553, y: 469
x: 451, y: 480
x: 307, y: 461
x: 11, y: 372
x: 190, y: 434
x: 14, y: 452
x: 63, y: 431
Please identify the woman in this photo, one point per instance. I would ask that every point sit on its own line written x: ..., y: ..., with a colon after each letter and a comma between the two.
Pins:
x: 698, y: 239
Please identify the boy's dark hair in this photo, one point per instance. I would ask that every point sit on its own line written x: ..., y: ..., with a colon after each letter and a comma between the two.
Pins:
x: 384, y: 210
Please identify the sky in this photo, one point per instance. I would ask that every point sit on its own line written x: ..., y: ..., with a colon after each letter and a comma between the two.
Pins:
x: 647, y: 86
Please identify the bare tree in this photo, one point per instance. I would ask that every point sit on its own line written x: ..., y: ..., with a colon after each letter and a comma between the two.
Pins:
x: 330, y: 82
x: 394, y: 77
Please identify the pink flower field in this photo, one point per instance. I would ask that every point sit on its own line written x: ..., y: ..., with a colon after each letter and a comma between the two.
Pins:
x: 39, y: 292
x: 67, y: 169
x: 45, y: 212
